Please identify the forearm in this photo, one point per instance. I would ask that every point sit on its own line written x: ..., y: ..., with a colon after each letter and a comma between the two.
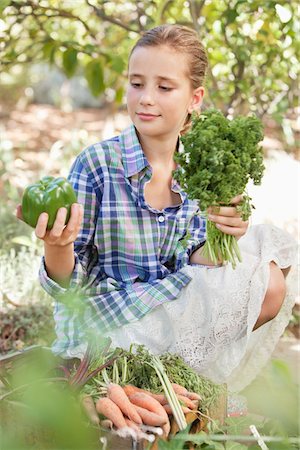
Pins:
x: 60, y: 263
x: 197, y: 258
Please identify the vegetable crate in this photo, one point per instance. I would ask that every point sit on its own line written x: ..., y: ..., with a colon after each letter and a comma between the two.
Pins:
x: 70, y: 385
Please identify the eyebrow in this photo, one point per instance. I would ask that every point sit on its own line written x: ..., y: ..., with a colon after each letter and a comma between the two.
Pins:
x: 159, y: 78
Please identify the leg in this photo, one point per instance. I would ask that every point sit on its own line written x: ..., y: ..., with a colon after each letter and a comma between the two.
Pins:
x: 274, y: 296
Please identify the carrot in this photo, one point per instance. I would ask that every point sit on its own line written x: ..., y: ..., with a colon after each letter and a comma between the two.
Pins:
x: 119, y: 397
x: 150, y: 418
x: 107, y: 424
x: 132, y: 425
x: 193, y: 396
x: 148, y: 402
x: 90, y: 409
x: 186, y: 401
x: 178, y: 389
x: 130, y: 390
x: 160, y: 398
x: 168, y: 409
x: 110, y: 410
x: 196, y: 404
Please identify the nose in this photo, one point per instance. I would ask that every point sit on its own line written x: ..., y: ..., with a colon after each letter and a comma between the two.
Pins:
x: 147, y: 97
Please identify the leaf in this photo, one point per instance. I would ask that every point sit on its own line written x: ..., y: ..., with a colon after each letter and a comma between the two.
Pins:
x: 119, y: 95
x: 49, y: 50
x: 117, y: 64
x: 170, y: 445
x: 230, y: 445
x: 94, y: 77
x: 70, y: 61
x: 231, y: 15
x: 4, y: 4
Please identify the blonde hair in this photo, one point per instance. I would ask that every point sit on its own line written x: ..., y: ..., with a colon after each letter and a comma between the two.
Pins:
x: 183, y: 40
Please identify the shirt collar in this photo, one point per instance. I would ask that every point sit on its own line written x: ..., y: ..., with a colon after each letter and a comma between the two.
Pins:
x: 133, y: 157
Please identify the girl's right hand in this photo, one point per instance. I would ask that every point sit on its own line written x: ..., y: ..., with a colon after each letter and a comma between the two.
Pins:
x: 60, y: 235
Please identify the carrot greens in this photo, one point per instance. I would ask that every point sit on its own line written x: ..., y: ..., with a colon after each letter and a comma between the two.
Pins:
x: 220, y: 156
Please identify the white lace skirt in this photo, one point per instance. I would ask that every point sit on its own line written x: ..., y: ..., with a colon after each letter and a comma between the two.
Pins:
x: 210, y: 325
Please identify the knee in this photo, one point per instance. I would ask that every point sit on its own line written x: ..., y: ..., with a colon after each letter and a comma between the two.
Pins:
x: 274, y: 297
x: 276, y: 292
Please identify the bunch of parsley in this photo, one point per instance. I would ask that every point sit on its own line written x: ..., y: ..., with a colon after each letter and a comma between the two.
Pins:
x: 220, y: 156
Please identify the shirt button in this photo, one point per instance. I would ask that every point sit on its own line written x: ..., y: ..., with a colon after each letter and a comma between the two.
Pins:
x: 161, y: 219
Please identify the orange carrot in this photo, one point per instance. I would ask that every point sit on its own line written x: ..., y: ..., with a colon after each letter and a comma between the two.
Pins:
x: 178, y: 389
x: 148, y: 402
x: 119, y: 397
x: 159, y: 397
x: 186, y: 401
x: 193, y: 396
x: 110, y: 410
x: 196, y: 404
x: 132, y: 425
x: 150, y: 418
x: 130, y: 389
x: 168, y: 409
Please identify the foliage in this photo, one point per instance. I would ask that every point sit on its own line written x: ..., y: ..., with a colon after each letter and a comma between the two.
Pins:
x: 26, y: 325
x: 39, y: 409
x: 26, y: 310
x: 135, y: 367
x: 251, y: 45
x: 219, y: 157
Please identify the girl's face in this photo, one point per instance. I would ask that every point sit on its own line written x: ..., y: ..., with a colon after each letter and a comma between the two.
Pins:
x: 159, y: 93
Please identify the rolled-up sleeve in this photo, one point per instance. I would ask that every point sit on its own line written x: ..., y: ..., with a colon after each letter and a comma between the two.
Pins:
x: 88, y: 194
x: 194, y: 239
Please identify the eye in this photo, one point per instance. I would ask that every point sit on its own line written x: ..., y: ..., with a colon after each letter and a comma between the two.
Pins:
x: 165, y: 88
x: 136, y: 85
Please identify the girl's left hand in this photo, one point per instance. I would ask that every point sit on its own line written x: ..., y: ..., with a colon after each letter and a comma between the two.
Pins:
x: 227, y: 219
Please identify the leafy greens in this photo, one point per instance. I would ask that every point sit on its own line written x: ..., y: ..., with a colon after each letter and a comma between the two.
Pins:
x: 220, y: 156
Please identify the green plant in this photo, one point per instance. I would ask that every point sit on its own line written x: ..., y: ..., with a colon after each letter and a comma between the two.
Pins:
x: 220, y: 156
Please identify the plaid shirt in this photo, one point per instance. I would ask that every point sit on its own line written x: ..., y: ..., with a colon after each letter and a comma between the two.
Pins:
x: 128, y: 255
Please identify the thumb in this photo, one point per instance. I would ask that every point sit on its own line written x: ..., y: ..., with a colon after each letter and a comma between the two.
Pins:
x: 19, y: 212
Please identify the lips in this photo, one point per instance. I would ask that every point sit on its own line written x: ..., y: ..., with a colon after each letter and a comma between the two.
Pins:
x: 146, y: 117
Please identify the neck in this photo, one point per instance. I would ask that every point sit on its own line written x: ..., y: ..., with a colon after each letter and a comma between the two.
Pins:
x: 159, y: 152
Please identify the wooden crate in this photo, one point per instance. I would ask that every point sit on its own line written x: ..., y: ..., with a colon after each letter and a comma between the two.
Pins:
x: 114, y: 442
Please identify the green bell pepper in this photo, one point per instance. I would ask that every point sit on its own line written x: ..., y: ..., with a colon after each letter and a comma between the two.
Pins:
x: 47, y: 195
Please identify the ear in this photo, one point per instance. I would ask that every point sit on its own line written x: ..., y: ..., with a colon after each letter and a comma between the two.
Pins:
x: 196, y: 101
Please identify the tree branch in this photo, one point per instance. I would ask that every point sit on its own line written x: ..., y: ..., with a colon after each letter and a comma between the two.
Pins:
x: 195, y: 11
x: 59, y: 13
x: 103, y: 16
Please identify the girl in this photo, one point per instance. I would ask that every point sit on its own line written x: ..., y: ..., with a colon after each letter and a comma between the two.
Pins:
x: 122, y: 254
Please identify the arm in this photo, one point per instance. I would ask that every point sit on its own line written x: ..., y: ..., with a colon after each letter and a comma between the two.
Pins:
x: 59, y: 256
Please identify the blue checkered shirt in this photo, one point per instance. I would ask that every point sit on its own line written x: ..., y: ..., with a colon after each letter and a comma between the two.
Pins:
x: 128, y: 255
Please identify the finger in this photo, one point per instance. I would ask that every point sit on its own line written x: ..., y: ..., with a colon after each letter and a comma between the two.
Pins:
x: 59, y: 223
x: 225, y: 220
x: 19, y: 212
x: 229, y: 211
x: 41, y: 226
x: 72, y: 224
x: 236, y: 200
x: 234, y: 231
